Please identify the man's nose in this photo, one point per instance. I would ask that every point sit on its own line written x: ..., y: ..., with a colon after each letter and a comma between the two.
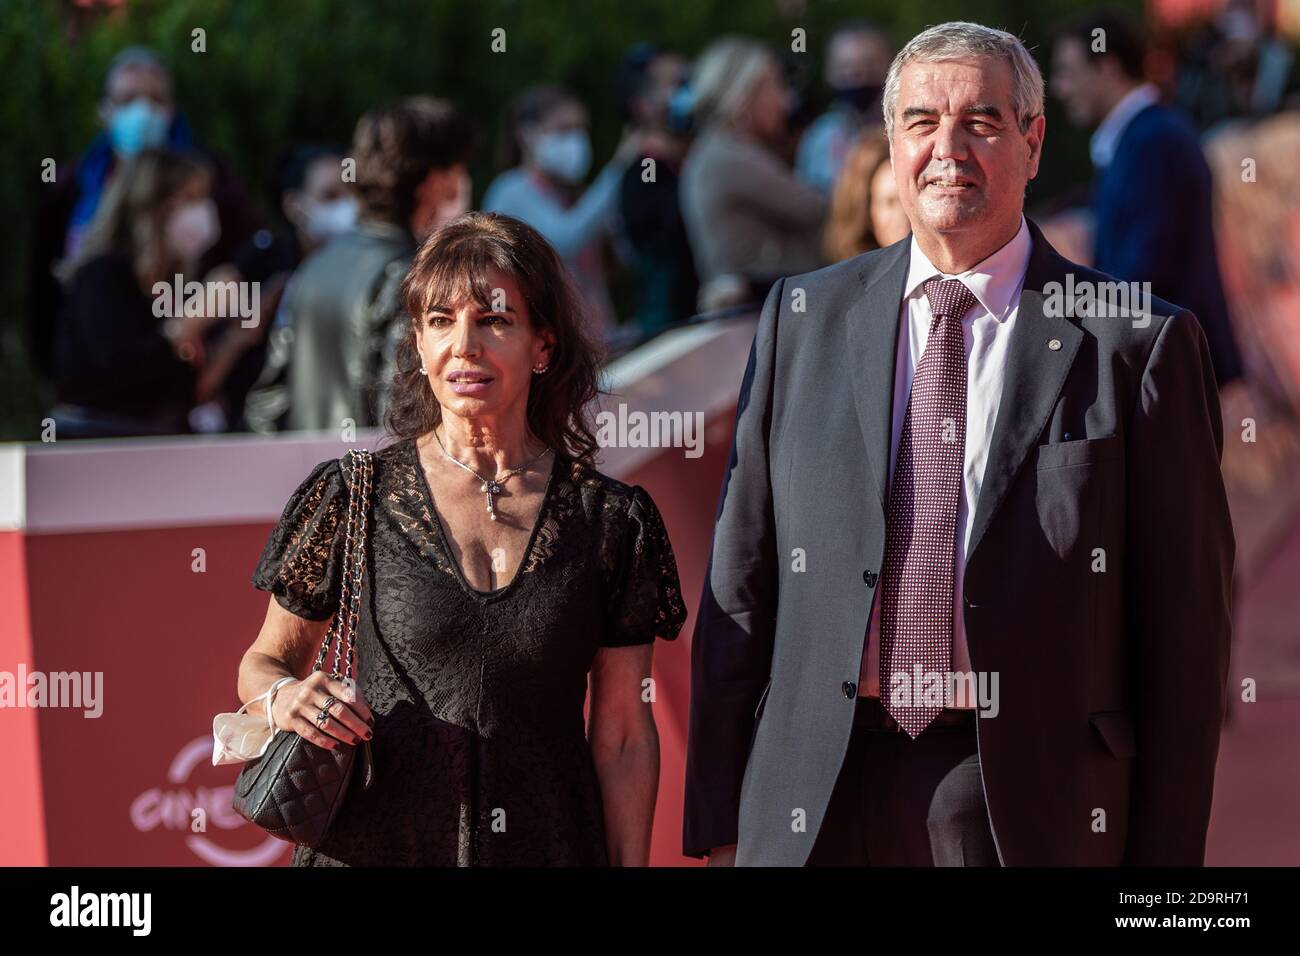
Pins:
x: 950, y: 140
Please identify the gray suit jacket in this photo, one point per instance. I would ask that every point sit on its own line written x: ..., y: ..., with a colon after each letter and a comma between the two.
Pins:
x: 1111, y: 682
x: 330, y: 360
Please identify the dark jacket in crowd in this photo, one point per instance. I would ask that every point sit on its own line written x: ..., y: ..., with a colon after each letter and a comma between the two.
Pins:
x: 1154, y: 206
x: 111, y: 357
x: 665, y: 271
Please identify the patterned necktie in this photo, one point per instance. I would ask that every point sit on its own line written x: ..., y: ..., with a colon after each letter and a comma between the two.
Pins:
x: 916, y: 620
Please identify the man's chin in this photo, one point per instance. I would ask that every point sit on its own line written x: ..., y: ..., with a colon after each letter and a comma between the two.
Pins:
x: 950, y: 218
x: 942, y: 202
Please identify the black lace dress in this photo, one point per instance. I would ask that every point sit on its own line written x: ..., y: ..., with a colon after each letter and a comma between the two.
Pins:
x: 480, y: 750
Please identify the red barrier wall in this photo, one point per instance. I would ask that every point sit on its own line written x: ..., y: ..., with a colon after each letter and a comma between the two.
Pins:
x: 120, y: 788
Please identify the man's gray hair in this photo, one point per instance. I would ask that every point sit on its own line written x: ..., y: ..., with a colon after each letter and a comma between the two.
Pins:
x: 959, y: 40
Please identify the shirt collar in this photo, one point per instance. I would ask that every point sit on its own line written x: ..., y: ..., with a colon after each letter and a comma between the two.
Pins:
x: 994, y: 280
x: 1106, y: 138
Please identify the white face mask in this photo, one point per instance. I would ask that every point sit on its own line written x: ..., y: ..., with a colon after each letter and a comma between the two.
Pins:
x: 328, y: 219
x: 192, y: 229
x: 566, y: 156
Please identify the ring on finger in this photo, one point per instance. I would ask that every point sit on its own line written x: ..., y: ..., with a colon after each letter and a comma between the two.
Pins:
x: 323, y: 717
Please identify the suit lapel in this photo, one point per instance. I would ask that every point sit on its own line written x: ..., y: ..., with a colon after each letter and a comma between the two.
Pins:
x: 873, y: 346
x: 1034, y: 377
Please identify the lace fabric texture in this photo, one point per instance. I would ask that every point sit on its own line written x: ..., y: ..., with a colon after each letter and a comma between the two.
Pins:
x: 480, y: 750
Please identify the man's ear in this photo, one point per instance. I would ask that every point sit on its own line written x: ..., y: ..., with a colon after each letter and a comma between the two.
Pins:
x: 1037, y: 130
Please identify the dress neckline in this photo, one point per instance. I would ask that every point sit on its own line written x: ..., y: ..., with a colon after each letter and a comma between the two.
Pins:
x: 444, y: 540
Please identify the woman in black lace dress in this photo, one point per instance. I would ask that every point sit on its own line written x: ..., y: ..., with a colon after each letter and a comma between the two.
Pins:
x: 503, y: 571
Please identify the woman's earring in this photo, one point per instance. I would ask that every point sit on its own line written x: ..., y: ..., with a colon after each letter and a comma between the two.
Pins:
x: 423, y: 370
x: 539, y: 371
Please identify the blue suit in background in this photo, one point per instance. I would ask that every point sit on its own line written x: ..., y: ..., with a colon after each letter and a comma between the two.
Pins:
x: 1154, y: 213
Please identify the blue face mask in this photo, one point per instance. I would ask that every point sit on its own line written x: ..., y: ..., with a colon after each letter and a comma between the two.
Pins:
x: 681, y: 109
x: 566, y: 156
x: 138, y: 125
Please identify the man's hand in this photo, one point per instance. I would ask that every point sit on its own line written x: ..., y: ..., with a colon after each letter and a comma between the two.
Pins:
x: 723, y: 856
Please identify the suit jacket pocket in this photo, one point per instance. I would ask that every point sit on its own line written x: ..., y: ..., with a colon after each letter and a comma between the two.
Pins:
x: 1116, y: 730
x: 1082, y: 452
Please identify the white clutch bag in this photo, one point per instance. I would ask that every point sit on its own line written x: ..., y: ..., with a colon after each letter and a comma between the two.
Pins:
x: 240, y: 737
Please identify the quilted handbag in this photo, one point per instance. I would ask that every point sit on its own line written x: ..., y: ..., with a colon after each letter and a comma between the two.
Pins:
x: 295, y: 789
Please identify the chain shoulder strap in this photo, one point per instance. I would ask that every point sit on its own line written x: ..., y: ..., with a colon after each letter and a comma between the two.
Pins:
x: 361, y: 469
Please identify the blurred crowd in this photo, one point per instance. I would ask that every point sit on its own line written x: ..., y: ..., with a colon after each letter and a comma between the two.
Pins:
x: 162, y: 302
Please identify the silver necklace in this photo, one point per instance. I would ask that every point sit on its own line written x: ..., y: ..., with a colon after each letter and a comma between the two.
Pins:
x: 491, y: 487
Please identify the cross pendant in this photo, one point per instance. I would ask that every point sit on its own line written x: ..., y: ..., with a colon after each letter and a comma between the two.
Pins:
x: 491, y: 489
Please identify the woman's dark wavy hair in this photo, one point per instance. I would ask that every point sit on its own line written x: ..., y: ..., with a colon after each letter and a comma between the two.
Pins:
x: 454, y: 262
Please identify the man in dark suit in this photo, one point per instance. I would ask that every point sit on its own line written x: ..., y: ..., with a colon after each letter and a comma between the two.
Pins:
x: 1153, y: 197
x: 1027, y: 478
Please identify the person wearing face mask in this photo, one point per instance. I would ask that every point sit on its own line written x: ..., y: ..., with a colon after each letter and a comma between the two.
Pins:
x: 548, y: 150
x: 123, y: 366
x: 748, y: 217
x: 137, y: 112
x: 312, y: 205
x: 332, y: 341
x: 857, y: 58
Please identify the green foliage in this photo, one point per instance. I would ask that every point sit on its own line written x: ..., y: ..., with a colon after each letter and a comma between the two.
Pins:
x: 274, y: 74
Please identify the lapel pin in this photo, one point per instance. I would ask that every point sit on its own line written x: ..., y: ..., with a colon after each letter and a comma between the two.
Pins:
x: 1054, y: 344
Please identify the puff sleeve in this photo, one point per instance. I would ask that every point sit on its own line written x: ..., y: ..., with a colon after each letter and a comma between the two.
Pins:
x: 646, y: 601
x: 302, y: 563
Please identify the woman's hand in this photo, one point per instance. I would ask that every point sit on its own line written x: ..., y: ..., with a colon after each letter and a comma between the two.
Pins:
x: 298, y: 704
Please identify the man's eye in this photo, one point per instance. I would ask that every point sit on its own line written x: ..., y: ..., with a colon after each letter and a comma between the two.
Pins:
x: 437, y: 321
x: 494, y: 319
